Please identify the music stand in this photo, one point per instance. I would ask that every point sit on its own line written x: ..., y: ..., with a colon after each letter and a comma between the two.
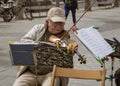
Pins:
x: 27, y: 54
x: 22, y: 54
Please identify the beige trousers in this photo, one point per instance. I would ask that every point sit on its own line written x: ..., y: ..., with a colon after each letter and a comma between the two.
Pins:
x: 29, y: 79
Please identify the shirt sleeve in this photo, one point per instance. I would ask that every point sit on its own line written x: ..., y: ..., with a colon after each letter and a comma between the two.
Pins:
x: 31, y: 35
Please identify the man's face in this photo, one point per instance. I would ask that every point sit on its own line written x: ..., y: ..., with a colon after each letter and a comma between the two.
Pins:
x: 55, y: 27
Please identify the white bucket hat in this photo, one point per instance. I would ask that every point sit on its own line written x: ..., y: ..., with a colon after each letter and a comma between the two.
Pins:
x: 56, y: 14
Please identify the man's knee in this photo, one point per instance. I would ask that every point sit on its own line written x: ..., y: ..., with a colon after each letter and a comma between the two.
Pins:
x: 25, y: 80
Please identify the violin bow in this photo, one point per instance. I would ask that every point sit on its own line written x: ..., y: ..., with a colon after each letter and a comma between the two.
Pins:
x: 78, y: 19
x: 83, y: 60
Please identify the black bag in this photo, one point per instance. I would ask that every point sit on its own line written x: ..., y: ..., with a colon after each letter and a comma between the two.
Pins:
x: 48, y: 56
x: 117, y: 77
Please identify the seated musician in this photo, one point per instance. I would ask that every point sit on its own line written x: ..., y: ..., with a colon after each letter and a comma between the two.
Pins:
x: 54, y: 25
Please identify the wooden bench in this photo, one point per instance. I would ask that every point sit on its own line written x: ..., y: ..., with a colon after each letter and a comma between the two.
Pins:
x: 78, y: 74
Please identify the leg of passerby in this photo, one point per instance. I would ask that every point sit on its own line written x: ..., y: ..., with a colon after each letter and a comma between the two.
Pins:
x: 74, y: 15
x: 66, y: 9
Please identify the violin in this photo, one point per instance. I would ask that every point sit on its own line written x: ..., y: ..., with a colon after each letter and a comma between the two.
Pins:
x: 71, y: 44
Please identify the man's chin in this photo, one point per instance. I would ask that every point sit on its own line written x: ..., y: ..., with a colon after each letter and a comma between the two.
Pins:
x: 54, y: 33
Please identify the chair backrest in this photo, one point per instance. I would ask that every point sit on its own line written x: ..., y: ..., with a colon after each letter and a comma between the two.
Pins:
x: 79, y: 74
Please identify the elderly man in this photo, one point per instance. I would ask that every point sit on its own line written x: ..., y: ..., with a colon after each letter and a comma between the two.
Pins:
x: 54, y: 25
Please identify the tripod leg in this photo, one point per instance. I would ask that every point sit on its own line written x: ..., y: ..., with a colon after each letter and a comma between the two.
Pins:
x: 112, y: 68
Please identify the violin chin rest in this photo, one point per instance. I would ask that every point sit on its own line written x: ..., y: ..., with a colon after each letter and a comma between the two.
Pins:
x: 53, y: 38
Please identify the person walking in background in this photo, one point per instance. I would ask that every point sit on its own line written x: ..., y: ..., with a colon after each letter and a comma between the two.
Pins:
x: 70, y: 5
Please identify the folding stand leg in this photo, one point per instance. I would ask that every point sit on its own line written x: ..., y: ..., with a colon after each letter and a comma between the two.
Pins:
x: 103, y: 67
x: 36, y: 64
x: 36, y: 75
x: 112, y: 68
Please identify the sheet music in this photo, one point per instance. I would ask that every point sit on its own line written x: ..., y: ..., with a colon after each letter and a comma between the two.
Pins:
x: 94, y: 41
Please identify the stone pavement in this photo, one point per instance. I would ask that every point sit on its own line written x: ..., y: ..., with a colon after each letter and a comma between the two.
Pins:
x: 107, y: 19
